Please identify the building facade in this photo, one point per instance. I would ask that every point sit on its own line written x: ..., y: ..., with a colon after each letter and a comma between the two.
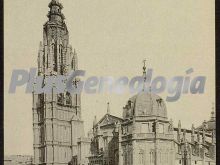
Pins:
x: 143, y: 136
x: 57, y: 122
x: 104, y: 141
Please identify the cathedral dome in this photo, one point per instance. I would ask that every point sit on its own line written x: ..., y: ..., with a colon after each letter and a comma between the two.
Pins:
x: 145, y: 104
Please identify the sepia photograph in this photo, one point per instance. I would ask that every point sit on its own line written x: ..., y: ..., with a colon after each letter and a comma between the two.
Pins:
x: 115, y: 82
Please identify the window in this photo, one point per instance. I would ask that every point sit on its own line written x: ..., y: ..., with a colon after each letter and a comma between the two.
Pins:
x: 41, y: 99
x: 61, y: 58
x: 141, y: 157
x: 160, y: 156
x: 68, y: 99
x: 159, y: 101
x: 167, y: 157
x: 161, y: 128
x: 125, y: 130
x: 55, y: 57
x: 52, y: 48
x: 153, y: 127
x: 145, y: 128
x: 60, y: 98
x: 73, y: 63
x: 125, y: 158
x: 179, y: 161
x: 152, y: 157
x: 60, y: 49
x: 42, y: 155
x: 47, y: 61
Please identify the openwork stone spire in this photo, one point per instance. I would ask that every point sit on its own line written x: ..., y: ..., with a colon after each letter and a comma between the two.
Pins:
x: 144, y: 74
x: 108, y: 108
x: 94, y: 121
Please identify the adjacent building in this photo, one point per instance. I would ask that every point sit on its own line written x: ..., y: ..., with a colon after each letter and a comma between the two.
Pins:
x: 18, y: 160
x: 104, y: 142
x: 145, y: 136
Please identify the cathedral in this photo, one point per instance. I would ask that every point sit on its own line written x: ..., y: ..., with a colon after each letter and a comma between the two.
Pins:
x: 142, y: 136
x: 57, y: 122
x: 145, y: 136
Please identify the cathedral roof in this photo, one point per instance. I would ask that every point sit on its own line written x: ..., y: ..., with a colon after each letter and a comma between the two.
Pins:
x: 107, y: 120
x: 209, y: 125
x: 145, y: 104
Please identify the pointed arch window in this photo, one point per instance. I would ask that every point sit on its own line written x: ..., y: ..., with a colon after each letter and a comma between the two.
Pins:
x: 141, y: 157
x: 68, y: 99
x: 73, y: 63
x: 161, y: 128
x: 130, y: 155
x: 152, y: 157
x: 60, y: 48
x: 125, y: 158
x: 160, y: 156
x: 52, y: 48
x: 61, y: 57
x: 55, y: 58
x: 60, y: 98
x: 167, y: 156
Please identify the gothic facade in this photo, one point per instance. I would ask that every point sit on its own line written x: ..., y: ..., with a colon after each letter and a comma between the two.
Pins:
x: 104, y: 140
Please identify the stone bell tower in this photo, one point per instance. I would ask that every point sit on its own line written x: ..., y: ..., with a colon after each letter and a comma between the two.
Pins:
x: 57, y: 120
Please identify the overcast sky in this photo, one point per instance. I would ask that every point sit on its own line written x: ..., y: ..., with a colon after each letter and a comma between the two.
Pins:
x: 112, y: 38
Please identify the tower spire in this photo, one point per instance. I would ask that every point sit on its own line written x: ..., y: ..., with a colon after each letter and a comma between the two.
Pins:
x: 55, y: 13
x: 193, y: 129
x: 213, y: 112
x: 55, y: 2
x: 94, y: 121
x: 74, y: 52
x: 179, y: 124
x: 144, y: 74
x: 108, y: 108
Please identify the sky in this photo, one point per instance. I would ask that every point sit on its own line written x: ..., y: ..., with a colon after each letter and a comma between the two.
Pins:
x: 112, y: 38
